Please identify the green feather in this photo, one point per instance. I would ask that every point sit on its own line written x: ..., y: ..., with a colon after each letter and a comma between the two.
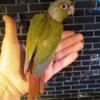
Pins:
x: 34, y: 33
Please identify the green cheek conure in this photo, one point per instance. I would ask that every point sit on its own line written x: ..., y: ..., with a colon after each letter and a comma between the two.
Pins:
x: 43, y: 37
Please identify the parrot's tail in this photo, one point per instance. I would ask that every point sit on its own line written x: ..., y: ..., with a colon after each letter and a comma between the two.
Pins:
x: 36, y: 86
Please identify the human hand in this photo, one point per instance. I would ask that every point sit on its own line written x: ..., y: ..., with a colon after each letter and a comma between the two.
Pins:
x: 66, y: 53
x: 12, y: 56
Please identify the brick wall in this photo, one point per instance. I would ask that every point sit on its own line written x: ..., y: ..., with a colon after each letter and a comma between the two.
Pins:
x: 80, y: 81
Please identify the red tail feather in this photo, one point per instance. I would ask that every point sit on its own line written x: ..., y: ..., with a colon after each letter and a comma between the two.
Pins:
x: 36, y: 85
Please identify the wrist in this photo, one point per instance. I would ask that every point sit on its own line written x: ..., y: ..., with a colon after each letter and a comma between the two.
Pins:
x: 8, y: 91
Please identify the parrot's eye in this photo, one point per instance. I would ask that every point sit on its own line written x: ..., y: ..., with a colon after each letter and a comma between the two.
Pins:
x: 63, y: 6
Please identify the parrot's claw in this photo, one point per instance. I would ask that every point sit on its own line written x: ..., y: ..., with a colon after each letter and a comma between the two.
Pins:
x: 25, y: 70
x: 26, y: 66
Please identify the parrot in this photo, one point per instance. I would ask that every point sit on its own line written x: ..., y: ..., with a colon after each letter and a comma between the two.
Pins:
x: 43, y: 37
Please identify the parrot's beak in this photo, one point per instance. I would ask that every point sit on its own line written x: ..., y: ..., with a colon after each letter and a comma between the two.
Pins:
x: 71, y: 10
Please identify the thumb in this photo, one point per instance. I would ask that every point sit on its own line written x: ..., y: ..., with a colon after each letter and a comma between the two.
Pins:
x: 10, y: 28
x: 12, y: 55
x: 10, y: 50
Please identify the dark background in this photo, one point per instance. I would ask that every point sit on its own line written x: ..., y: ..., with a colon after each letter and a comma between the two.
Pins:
x: 80, y: 81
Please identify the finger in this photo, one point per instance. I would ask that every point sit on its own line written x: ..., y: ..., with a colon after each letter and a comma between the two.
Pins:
x: 65, y: 43
x: 74, y: 48
x: 67, y: 60
x: 67, y: 34
x: 10, y: 28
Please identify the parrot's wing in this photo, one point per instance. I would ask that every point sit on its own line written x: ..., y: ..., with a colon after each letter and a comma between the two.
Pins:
x: 47, y: 45
x: 35, y: 31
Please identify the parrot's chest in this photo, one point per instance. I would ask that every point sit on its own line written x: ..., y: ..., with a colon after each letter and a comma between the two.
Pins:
x: 45, y: 43
x: 48, y: 41
x: 51, y: 32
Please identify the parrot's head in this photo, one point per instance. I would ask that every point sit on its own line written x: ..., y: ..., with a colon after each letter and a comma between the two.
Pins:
x: 60, y: 9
